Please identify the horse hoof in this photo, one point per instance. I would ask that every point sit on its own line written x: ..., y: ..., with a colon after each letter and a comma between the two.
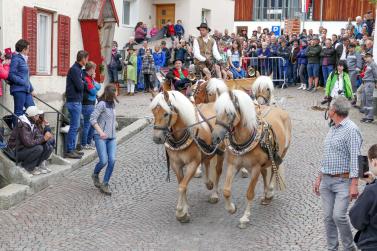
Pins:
x: 184, y: 219
x: 209, y: 185
x: 232, y: 210
x: 242, y: 225
x: 266, y: 201
x: 213, y: 200
x: 244, y: 173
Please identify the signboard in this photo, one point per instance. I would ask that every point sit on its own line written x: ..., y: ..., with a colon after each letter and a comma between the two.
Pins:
x: 276, y: 30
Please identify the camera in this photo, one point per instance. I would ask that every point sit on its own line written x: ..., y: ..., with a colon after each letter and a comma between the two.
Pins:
x: 326, y: 100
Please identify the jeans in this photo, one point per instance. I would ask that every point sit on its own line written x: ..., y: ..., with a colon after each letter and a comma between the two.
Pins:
x: 21, y: 100
x: 32, y: 157
x: 335, y: 200
x: 74, y: 109
x: 326, y: 70
x: 147, y: 82
x: 88, y: 130
x: 106, y: 149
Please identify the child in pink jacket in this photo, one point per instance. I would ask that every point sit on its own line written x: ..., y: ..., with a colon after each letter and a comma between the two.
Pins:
x: 4, y: 70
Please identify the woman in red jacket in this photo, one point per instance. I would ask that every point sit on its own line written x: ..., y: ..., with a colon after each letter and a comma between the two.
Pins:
x: 4, y: 70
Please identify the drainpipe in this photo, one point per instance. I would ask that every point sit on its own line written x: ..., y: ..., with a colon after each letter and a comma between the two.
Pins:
x: 320, y: 24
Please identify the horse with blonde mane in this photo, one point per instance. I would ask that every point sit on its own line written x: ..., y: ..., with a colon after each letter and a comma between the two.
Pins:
x: 257, y: 140
x: 186, y: 134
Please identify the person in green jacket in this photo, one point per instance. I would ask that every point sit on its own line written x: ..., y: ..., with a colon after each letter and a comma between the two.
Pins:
x: 131, y: 63
x: 338, y: 82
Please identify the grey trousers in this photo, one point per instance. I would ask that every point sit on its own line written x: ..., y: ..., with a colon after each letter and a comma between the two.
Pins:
x: 33, y: 156
x: 368, y: 99
x: 353, y: 78
x: 335, y: 201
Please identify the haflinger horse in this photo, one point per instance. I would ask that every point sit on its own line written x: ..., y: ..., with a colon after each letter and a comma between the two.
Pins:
x: 256, y: 139
x: 263, y: 90
x: 185, y: 130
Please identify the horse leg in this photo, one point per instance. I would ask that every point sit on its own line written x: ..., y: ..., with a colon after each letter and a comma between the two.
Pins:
x: 229, y: 205
x: 218, y: 162
x: 244, y: 173
x: 198, y: 173
x: 207, y: 174
x: 255, y: 171
x: 182, y: 214
x: 268, y: 187
x: 179, y: 174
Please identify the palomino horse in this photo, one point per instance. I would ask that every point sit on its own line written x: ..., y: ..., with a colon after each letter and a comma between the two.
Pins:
x: 263, y: 90
x: 256, y: 140
x: 186, y: 135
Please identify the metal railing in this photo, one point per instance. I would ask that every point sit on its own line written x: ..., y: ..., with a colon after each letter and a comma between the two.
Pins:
x: 277, y: 66
x: 59, y: 118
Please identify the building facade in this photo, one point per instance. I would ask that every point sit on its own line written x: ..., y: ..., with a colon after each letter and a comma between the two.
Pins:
x: 219, y: 14
x: 332, y: 14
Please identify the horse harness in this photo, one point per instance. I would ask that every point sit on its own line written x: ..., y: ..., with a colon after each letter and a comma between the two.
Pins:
x: 263, y: 135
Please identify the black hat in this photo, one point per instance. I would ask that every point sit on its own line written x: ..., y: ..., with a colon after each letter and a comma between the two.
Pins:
x: 316, y: 38
x: 205, y: 26
x: 368, y: 54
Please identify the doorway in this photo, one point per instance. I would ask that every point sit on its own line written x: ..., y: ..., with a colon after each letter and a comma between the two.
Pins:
x: 164, y: 12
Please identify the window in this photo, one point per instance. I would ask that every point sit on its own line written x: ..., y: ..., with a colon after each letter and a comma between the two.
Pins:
x: 126, y: 12
x: 44, y: 38
x: 266, y: 10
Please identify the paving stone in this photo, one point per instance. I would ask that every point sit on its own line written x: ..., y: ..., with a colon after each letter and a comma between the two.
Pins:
x: 140, y: 215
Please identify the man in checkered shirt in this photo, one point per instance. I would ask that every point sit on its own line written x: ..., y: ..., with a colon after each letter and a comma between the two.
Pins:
x: 338, y: 178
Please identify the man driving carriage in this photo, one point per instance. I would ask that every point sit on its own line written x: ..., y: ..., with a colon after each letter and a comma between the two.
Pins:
x: 179, y: 76
x: 206, y: 52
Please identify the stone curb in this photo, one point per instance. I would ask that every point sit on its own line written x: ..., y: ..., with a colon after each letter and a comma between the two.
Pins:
x: 14, y: 193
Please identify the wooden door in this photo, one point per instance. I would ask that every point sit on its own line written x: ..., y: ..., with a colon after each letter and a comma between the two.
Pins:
x: 164, y: 12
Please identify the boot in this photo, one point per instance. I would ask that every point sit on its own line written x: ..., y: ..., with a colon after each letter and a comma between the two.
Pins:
x: 96, y: 180
x: 105, y: 189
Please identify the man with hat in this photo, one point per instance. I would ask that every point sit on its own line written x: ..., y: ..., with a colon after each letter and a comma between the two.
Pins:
x: 29, y: 143
x: 178, y: 75
x: 205, y: 52
x: 369, y: 80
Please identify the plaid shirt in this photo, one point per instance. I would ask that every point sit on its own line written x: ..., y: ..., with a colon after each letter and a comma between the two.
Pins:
x: 148, y: 65
x: 342, y: 146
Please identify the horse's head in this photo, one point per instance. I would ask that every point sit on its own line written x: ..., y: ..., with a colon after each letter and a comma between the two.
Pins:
x: 165, y: 116
x: 199, y: 92
x: 263, y: 88
x: 227, y: 116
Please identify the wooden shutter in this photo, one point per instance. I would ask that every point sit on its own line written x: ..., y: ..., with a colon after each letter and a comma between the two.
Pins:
x: 64, y: 44
x: 29, y: 32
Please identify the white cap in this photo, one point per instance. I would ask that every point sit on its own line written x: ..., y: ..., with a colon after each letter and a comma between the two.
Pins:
x: 32, y: 111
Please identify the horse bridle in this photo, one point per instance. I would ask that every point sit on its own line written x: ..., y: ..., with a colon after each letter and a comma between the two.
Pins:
x: 166, y: 129
x: 229, y: 127
x: 197, y: 90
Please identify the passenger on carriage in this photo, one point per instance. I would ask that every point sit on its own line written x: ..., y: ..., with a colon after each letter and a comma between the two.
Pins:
x: 178, y: 76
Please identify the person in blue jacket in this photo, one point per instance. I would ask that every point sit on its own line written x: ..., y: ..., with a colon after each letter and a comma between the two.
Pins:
x: 179, y: 30
x: 159, y: 61
x: 19, y: 79
x: 363, y: 214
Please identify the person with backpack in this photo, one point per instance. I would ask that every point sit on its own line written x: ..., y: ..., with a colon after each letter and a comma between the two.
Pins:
x: 91, y: 88
x: 114, y: 66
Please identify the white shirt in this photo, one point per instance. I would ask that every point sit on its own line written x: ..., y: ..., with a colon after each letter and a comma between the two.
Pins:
x: 197, y: 54
x: 337, y: 86
x: 344, y: 53
x: 234, y: 57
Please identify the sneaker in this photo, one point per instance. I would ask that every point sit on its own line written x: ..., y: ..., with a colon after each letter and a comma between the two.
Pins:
x: 43, y: 171
x: 78, y: 152
x: 89, y: 147
x: 310, y: 89
x: 304, y: 87
x: 300, y: 87
x: 105, y: 189
x: 313, y: 90
x: 35, y: 172
x: 366, y: 120
x: 72, y: 155
x: 96, y: 180
x: 43, y: 166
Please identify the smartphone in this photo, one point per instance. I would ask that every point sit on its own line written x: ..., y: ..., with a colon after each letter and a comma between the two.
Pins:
x: 363, y: 165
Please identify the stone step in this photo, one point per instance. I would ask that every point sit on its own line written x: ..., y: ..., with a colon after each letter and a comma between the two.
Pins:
x: 12, y: 194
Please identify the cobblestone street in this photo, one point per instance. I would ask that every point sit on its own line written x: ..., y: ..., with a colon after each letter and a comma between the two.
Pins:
x: 140, y: 215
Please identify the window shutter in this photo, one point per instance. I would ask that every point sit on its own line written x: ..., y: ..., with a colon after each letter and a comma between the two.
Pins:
x: 29, y: 32
x: 64, y: 44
